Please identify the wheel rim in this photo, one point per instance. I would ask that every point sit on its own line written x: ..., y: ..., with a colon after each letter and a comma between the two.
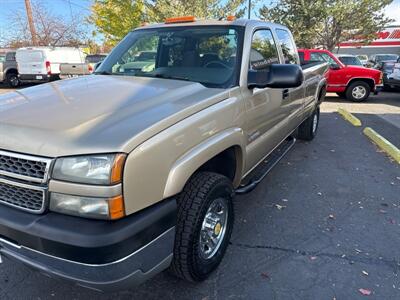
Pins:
x: 359, y: 92
x: 315, y: 123
x: 213, y: 228
x: 14, y: 80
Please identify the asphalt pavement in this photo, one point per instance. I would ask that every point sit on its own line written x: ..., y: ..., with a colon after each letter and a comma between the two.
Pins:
x: 323, y: 224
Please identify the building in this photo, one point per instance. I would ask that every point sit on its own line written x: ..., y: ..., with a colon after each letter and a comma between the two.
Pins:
x: 388, y: 42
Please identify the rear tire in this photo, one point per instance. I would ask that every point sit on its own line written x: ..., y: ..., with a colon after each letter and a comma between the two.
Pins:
x: 308, y: 129
x: 197, y: 226
x: 12, y: 80
x: 358, y: 91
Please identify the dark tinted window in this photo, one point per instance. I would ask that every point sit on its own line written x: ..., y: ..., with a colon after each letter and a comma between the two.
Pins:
x: 263, y: 50
x: 10, y: 56
x: 350, y: 60
x: 301, y: 56
x: 94, y: 58
x: 288, y: 47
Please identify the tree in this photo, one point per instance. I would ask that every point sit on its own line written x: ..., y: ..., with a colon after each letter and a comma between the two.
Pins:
x: 327, y: 23
x: 208, y: 9
x: 50, y: 29
x: 115, y: 18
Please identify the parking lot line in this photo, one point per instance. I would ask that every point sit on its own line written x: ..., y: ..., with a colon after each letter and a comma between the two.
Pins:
x: 349, y: 117
x: 383, y: 143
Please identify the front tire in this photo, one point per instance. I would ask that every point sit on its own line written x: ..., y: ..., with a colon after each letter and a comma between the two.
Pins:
x: 308, y: 129
x: 358, y: 91
x: 204, y: 225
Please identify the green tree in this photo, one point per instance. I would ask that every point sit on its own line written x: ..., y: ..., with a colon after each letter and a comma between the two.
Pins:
x: 115, y: 18
x: 207, y: 9
x: 328, y: 23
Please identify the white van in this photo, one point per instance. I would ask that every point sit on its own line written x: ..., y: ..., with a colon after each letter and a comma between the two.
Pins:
x: 41, y: 64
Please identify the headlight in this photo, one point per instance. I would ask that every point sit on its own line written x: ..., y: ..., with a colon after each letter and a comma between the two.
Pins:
x: 88, y: 207
x: 103, y: 169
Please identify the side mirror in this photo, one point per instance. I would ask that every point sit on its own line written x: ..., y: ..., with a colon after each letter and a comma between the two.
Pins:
x: 276, y: 76
x: 334, y: 67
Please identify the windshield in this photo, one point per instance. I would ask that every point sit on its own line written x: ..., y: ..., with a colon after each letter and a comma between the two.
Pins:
x: 386, y: 57
x: 2, y: 58
x: 207, y: 54
x: 350, y: 60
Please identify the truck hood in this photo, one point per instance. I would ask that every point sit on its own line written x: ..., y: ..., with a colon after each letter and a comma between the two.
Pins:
x: 97, y: 113
x: 363, y: 70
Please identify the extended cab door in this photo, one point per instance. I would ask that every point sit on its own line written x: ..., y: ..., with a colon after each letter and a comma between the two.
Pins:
x: 265, y: 125
x: 295, y: 101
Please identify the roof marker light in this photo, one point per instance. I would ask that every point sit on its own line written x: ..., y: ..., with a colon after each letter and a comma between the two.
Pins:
x: 184, y: 19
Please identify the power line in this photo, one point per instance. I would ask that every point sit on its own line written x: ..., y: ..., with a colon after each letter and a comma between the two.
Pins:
x: 69, y: 2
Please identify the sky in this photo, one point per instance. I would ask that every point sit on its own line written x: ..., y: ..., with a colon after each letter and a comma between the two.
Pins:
x: 68, y: 8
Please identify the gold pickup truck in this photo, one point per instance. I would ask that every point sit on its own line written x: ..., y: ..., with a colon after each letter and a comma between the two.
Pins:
x: 108, y: 179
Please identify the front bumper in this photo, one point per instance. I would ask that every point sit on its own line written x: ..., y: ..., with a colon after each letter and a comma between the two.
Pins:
x: 391, y: 82
x: 100, y: 255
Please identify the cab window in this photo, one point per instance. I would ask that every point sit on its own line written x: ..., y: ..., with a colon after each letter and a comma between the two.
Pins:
x: 263, y: 50
x: 287, y: 46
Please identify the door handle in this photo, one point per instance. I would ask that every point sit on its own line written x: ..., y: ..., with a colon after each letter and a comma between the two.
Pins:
x: 285, y: 93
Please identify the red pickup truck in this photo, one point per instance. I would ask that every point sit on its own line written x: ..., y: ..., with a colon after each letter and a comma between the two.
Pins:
x: 351, y: 82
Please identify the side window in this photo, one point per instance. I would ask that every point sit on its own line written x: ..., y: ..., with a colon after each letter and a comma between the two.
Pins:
x: 263, y: 50
x: 314, y: 56
x: 10, y: 56
x: 288, y: 48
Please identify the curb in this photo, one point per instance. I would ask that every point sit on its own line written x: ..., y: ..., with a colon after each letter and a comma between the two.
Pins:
x: 383, y: 143
x: 349, y: 117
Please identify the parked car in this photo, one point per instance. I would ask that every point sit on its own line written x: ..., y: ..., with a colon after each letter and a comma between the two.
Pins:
x: 126, y: 173
x: 42, y: 64
x: 8, y: 69
x: 364, y: 59
x: 93, y: 59
x: 79, y: 69
x: 376, y: 59
x: 352, y: 82
x: 349, y: 60
x: 391, y: 75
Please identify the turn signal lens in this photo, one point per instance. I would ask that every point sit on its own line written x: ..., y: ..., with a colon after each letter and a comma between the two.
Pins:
x: 230, y: 18
x: 117, y: 168
x: 116, y: 208
x: 180, y: 19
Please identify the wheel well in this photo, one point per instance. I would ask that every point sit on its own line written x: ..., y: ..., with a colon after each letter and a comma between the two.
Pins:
x: 11, y: 71
x: 225, y: 163
x: 368, y: 81
x: 321, y: 94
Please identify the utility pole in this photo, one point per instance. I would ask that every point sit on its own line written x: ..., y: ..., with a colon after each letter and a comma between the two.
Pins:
x: 30, y: 21
x: 249, y: 12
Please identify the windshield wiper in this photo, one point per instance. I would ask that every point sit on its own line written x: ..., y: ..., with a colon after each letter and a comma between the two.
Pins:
x: 164, y: 76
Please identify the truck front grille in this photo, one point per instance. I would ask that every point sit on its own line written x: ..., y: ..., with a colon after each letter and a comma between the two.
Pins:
x: 24, y: 167
x: 22, y: 196
x: 23, y: 181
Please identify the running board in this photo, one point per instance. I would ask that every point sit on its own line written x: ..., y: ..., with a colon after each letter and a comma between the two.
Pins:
x: 259, y: 173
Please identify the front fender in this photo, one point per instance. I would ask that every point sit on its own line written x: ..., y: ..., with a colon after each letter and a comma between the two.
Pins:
x: 191, y: 161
